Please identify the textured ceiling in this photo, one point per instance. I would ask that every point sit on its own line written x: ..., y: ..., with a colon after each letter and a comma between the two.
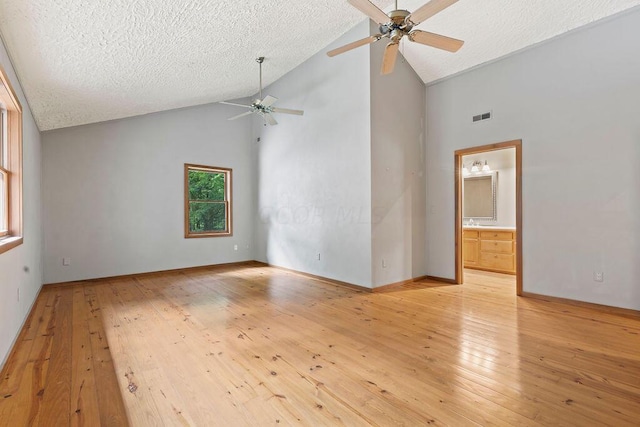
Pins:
x: 84, y: 61
x: 494, y: 28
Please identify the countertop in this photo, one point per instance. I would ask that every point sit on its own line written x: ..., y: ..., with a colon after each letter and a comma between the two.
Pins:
x: 487, y: 227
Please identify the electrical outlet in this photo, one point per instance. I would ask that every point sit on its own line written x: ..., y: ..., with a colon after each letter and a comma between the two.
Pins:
x: 66, y: 261
x: 598, y: 276
x: 235, y: 247
x: 384, y: 263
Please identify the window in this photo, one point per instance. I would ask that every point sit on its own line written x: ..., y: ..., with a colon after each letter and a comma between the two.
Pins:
x: 207, y: 203
x: 10, y: 166
x: 4, y: 175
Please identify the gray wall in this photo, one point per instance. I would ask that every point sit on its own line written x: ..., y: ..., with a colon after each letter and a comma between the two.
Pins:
x: 314, y: 172
x: 346, y: 180
x: 574, y: 103
x: 398, y: 185
x: 21, y: 267
x: 113, y: 193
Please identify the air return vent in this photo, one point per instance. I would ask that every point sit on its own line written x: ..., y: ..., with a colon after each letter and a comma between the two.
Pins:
x: 481, y: 117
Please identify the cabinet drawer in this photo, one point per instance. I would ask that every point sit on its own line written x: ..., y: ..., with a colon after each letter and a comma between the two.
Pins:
x: 470, y: 234
x: 496, y: 235
x: 497, y: 261
x: 498, y: 246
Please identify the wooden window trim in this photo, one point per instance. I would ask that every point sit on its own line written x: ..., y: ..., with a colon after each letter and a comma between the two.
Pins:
x: 13, y: 172
x: 4, y: 222
x: 228, y: 201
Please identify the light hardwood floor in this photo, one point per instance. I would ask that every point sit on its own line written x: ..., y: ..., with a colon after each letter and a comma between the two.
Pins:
x: 255, y: 345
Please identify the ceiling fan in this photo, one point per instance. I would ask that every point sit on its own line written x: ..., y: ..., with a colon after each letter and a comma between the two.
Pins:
x: 263, y: 107
x: 397, y: 24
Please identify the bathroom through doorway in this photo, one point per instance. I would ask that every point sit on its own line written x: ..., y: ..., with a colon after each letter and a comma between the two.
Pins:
x: 488, y: 213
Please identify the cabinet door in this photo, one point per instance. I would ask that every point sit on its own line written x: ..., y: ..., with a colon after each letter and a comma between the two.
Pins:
x: 470, y: 252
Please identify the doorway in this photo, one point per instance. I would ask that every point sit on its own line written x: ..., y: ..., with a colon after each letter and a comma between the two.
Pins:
x: 459, y: 214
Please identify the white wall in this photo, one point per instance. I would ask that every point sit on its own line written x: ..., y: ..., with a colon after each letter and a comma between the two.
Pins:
x: 398, y: 186
x: 504, y: 163
x: 113, y: 193
x: 574, y: 103
x: 314, y: 177
x: 21, y: 267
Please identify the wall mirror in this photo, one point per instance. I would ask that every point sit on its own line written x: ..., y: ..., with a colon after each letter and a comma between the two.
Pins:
x: 479, y: 196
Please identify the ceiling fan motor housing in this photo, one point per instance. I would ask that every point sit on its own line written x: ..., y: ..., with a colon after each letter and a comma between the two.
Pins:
x: 399, y: 25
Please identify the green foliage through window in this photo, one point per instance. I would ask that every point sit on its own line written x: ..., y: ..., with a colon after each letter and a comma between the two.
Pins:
x: 208, y: 200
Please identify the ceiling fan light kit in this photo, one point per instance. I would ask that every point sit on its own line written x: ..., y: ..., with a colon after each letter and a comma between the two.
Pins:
x: 397, y: 24
x: 263, y: 107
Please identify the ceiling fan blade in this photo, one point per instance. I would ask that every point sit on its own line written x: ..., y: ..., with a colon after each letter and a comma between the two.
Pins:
x: 269, y: 119
x: 269, y: 100
x: 435, y: 40
x: 233, y: 103
x: 389, y: 58
x: 287, y: 111
x: 240, y: 115
x: 371, y: 10
x: 428, y: 10
x: 353, y: 45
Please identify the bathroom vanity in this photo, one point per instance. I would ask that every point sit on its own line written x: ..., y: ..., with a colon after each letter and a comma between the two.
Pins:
x: 489, y: 248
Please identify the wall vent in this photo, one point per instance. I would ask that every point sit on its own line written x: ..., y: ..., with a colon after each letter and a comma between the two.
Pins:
x: 483, y: 116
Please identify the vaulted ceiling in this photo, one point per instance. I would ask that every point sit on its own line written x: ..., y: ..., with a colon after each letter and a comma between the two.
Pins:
x: 83, y: 61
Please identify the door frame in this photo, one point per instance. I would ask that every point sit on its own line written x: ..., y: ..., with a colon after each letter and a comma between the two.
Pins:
x: 517, y: 144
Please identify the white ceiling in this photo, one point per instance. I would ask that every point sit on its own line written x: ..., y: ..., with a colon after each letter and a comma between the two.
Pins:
x: 84, y: 61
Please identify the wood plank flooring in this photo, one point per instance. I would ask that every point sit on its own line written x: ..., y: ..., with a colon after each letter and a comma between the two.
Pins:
x: 254, y: 345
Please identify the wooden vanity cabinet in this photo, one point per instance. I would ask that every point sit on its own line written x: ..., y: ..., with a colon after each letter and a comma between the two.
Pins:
x: 491, y: 250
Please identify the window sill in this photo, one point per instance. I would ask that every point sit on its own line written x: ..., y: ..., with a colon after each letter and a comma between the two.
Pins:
x: 8, y: 243
x: 198, y: 235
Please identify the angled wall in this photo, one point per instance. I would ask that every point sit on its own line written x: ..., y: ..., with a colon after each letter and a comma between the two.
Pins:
x: 346, y: 180
x: 398, y: 180
x: 314, y: 171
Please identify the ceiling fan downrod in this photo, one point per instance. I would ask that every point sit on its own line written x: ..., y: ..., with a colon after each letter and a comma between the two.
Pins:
x: 260, y: 60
